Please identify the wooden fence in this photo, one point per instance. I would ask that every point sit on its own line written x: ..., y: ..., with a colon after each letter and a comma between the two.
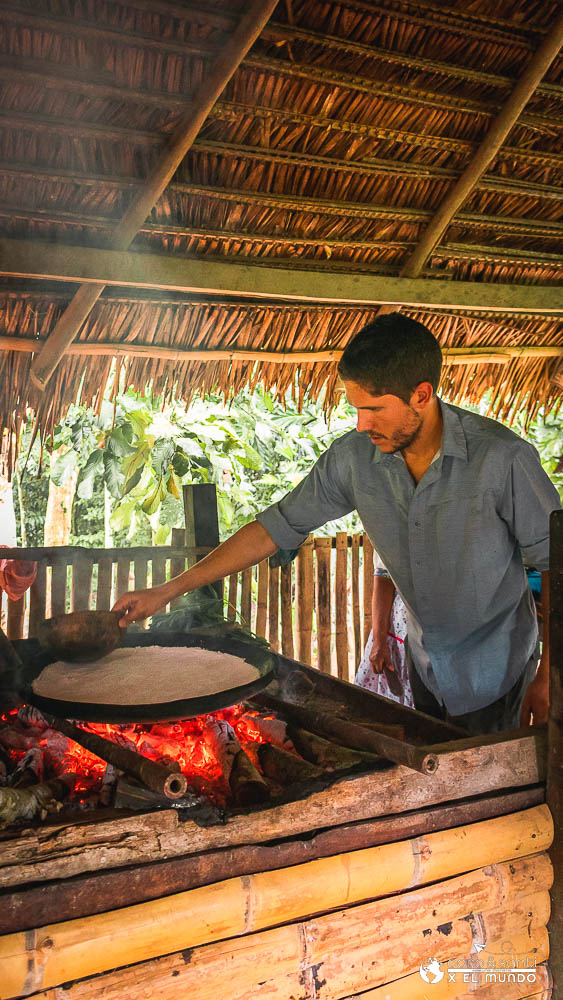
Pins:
x: 316, y: 609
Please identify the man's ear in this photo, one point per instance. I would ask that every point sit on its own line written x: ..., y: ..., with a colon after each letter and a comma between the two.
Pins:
x: 422, y: 396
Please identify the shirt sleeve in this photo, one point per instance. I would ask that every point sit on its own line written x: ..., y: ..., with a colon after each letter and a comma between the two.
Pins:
x: 528, y: 500
x: 318, y: 498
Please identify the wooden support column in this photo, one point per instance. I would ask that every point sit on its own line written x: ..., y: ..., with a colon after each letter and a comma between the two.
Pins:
x: 202, y: 523
x: 210, y: 89
x: 488, y: 149
x: 555, y: 748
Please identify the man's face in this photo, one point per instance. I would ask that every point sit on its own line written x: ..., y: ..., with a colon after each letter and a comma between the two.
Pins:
x: 390, y: 423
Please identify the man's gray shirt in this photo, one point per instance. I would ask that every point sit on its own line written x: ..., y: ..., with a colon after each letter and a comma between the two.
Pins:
x: 455, y: 545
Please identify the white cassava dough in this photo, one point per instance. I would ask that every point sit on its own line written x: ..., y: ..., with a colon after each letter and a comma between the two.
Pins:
x: 145, y: 675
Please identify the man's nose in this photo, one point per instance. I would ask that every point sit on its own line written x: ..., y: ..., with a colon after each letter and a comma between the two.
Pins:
x: 365, y: 421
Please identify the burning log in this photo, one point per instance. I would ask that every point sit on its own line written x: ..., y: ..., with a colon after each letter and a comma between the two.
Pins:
x: 286, y: 768
x: 24, y: 803
x: 245, y: 781
x: 29, y: 770
x: 327, y: 755
x: 168, y: 781
x: 351, y: 734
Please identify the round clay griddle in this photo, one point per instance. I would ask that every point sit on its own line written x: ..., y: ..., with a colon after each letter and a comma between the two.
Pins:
x: 264, y: 660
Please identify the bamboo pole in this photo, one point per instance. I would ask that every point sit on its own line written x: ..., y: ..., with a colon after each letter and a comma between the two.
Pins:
x: 304, y: 601
x: 497, y: 354
x: 368, y: 585
x: 286, y: 596
x: 262, y: 603
x: 323, y: 548
x: 210, y: 89
x: 56, y: 953
x: 341, y: 605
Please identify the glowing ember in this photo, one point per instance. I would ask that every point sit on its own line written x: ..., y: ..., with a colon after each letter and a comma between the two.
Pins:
x: 183, y: 742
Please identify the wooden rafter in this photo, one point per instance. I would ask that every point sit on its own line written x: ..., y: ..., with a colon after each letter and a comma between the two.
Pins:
x: 187, y: 129
x: 97, y: 268
x: 488, y: 149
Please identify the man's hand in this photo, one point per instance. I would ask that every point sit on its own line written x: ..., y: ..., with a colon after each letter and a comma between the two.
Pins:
x: 380, y: 658
x: 140, y: 604
x: 536, y: 702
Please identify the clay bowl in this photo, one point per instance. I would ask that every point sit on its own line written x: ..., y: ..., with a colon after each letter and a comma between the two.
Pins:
x: 82, y: 636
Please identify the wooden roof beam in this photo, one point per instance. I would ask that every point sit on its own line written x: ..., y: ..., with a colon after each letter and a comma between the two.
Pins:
x: 243, y: 37
x: 488, y: 149
x: 96, y: 268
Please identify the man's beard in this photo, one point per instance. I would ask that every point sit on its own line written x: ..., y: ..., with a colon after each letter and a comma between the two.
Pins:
x: 405, y: 435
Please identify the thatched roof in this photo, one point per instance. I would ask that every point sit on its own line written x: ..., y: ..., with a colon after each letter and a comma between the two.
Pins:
x: 332, y: 147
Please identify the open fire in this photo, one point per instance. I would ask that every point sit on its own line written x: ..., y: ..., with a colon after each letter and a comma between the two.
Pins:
x: 218, y: 753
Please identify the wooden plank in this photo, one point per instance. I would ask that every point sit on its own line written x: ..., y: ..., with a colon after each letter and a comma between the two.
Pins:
x: 15, y: 618
x: 323, y: 548
x: 81, y: 583
x: 341, y: 605
x: 286, y: 595
x: 140, y: 572
x: 25, y: 908
x: 68, y: 849
x: 232, y: 597
x: 177, y: 563
x: 202, y: 522
x: 59, y: 586
x: 274, y: 608
x: 356, y: 625
x: 262, y: 603
x: 123, y: 572
x: 304, y: 601
x: 158, y: 567
x: 37, y: 599
x: 103, y: 591
x: 368, y: 585
x: 246, y: 597
x: 59, y: 262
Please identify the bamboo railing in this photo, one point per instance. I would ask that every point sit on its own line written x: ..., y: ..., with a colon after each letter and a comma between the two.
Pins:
x: 316, y: 609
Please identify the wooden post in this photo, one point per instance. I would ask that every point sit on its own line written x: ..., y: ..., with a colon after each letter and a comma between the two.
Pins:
x: 323, y: 551
x: 59, y: 573
x: 123, y: 570
x: 37, y: 596
x: 202, y: 522
x: 177, y: 563
x: 232, y: 597
x: 274, y: 608
x: 356, y: 625
x: 246, y: 597
x: 304, y: 603
x: 341, y: 604
x: 262, y: 608
x: 81, y: 583
x: 103, y: 593
x: 553, y: 604
x: 286, y: 610
x: 15, y: 616
x: 368, y: 585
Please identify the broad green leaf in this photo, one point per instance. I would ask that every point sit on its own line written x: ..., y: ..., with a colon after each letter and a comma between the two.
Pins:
x: 162, y: 453
x: 173, y: 485
x: 63, y: 466
x: 112, y: 474
x: 151, y: 504
x: 94, y: 465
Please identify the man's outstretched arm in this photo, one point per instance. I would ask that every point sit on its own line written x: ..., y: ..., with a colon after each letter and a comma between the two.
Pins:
x: 248, y: 546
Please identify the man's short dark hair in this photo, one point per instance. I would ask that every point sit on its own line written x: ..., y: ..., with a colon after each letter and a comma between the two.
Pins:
x: 392, y: 355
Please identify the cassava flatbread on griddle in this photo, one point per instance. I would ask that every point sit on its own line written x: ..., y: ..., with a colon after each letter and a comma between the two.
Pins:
x: 145, y: 675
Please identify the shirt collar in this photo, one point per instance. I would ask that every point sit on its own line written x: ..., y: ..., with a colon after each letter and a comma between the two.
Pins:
x: 453, y: 437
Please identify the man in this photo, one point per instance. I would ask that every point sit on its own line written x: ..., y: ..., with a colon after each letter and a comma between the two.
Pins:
x: 454, y: 504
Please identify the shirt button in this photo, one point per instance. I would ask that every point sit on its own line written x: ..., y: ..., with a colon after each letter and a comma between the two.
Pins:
x: 417, y: 524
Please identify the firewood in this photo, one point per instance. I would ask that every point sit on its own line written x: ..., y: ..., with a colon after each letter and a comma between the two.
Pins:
x: 286, y: 768
x: 241, y: 906
x: 245, y: 781
x: 25, y: 803
x: 327, y: 755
